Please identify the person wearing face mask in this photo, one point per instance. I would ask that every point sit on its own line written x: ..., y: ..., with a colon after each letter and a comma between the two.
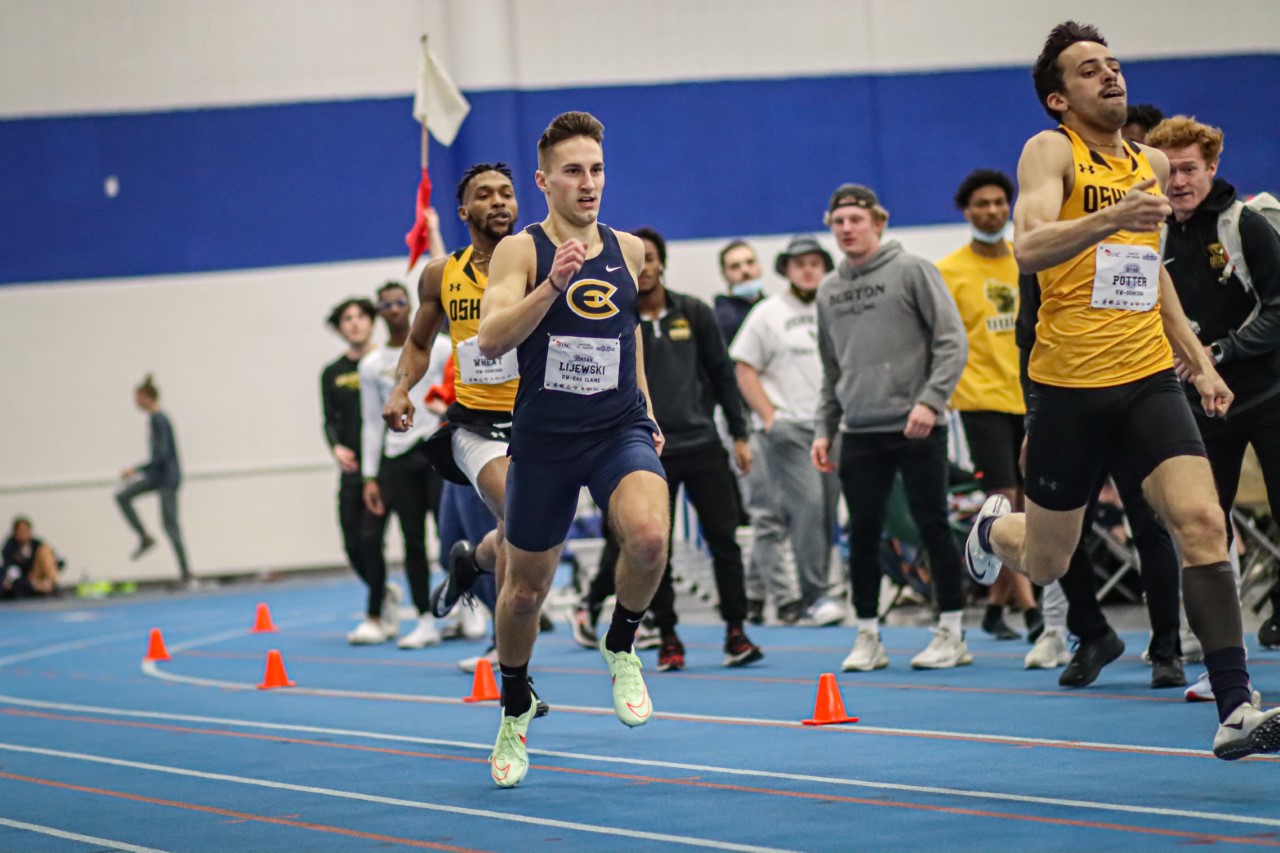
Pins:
x: 982, y: 276
x: 1233, y: 304
x: 780, y: 374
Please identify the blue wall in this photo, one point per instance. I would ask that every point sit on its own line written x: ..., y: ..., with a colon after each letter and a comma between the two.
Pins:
x: 309, y: 183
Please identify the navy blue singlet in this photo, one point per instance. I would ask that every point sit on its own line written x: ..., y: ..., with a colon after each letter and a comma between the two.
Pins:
x: 567, y: 385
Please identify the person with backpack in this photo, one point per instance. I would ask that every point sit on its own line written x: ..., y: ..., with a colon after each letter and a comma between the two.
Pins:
x: 1223, y: 254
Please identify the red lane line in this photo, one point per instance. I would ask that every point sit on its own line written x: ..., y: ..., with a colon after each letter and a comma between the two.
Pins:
x: 318, y: 827
x: 631, y: 777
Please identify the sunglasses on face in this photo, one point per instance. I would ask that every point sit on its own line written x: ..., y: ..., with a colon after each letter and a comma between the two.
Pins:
x: 388, y: 304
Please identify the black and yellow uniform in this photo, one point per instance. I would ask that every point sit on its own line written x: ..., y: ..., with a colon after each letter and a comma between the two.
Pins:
x: 1101, y: 366
x: 461, y: 289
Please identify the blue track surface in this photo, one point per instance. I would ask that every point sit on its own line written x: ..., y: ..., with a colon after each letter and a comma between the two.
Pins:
x: 373, y: 749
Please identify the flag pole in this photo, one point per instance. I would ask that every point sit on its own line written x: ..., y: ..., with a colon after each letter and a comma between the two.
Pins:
x: 424, y: 118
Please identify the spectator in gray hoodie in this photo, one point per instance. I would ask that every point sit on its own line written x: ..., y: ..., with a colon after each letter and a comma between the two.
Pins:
x: 893, y: 347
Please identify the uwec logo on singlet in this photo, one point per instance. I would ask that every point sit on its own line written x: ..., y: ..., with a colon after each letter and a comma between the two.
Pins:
x: 590, y: 299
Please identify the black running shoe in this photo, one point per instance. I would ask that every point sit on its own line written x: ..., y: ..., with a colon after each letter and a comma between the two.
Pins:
x: 755, y: 611
x: 145, y: 544
x: 993, y: 623
x: 1090, y: 657
x: 542, y: 707
x: 739, y: 650
x: 1167, y: 673
x: 1034, y: 620
x: 462, y: 575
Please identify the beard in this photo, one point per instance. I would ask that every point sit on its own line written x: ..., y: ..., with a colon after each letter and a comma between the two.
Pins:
x: 493, y: 233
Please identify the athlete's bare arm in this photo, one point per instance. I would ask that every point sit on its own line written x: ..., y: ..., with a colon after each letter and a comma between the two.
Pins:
x: 1044, y: 180
x: 507, y: 315
x: 1192, y: 362
x: 415, y: 358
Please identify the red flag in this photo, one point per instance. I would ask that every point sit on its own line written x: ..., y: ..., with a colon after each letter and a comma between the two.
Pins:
x: 419, y: 236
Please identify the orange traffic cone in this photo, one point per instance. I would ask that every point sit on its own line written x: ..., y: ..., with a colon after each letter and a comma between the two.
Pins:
x: 275, y: 676
x: 829, y: 708
x: 262, y: 623
x: 483, y: 687
x: 155, y: 648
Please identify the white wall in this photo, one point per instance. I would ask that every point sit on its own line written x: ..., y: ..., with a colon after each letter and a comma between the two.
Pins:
x: 237, y: 355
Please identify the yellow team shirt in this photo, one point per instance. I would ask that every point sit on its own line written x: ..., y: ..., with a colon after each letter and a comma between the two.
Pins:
x: 986, y: 292
x: 1099, y: 322
x: 461, y: 288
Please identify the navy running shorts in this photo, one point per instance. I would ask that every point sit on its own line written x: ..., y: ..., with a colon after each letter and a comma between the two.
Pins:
x: 542, y: 497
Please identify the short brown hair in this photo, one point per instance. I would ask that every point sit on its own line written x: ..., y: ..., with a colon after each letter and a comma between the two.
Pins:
x: 567, y: 126
x: 1047, y: 74
x: 1181, y: 131
x: 148, y: 388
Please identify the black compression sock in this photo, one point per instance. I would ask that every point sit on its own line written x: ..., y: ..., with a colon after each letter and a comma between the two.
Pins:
x: 516, y: 698
x: 1229, y: 678
x: 622, y: 631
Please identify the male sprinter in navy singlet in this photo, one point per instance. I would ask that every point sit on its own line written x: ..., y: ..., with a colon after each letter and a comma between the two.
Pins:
x: 563, y: 294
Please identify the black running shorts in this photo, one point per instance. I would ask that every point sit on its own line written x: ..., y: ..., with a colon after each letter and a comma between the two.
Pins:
x: 995, y: 440
x: 1143, y: 423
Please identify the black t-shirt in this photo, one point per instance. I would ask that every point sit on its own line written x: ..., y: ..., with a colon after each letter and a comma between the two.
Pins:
x: 340, y: 393
x: 16, y: 555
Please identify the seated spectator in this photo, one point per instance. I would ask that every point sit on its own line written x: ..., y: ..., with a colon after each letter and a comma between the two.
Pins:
x: 30, y: 567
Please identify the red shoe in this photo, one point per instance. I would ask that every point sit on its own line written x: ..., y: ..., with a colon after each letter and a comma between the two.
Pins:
x: 738, y: 650
x: 671, y: 654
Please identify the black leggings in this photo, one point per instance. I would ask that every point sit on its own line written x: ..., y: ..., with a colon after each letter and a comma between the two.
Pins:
x: 709, y: 483
x: 362, y: 540
x: 410, y: 488
x: 868, y: 464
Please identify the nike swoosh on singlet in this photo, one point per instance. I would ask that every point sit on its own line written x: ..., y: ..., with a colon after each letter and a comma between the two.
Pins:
x: 612, y: 269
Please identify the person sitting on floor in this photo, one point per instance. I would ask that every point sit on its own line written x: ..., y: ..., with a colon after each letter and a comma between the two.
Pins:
x: 30, y: 567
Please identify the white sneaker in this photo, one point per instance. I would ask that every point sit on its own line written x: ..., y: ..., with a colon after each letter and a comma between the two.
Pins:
x: 472, y: 619
x: 391, y: 598
x: 367, y: 633
x: 822, y: 613
x: 1049, y: 652
x: 470, y: 664
x: 647, y: 637
x: 947, y: 649
x: 867, y: 654
x: 1247, y: 731
x: 1201, y: 691
x: 422, y: 636
x: 984, y: 566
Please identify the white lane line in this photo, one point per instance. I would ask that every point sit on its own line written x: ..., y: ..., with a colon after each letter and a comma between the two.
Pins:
x: 73, y: 646
x: 151, y: 669
x: 75, y: 836
x: 667, y: 765
x: 641, y: 835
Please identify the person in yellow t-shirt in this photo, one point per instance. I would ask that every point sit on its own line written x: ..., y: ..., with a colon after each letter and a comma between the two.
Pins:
x: 1090, y: 206
x: 982, y: 276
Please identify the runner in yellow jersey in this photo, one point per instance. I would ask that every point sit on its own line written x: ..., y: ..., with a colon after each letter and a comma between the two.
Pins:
x: 1087, y: 222
x: 472, y: 446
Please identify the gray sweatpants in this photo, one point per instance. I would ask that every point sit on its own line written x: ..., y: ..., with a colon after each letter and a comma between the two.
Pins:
x: 805, y: 501
x: 168, y: 515
x: 767, y: 570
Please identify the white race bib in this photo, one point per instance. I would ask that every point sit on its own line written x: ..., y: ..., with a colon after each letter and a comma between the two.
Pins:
x: 582, y: 365
x: 475, y: 369
x: 1126, y: 278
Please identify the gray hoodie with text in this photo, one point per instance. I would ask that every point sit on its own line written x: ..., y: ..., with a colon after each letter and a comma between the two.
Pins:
x: 890, y: 336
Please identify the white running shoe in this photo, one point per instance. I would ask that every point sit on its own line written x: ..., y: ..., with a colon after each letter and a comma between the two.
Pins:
x: 984, y: 566
x: 1248, y: 731
x: 422, y: 636
x: 630, y: 697
x: 509, y: 761
x: 1049, y: 652
x: 472, y: 619
x: 470, y: 664
x: 1201, y: 691
x: 822, y: 613
x: 647, y: 636
x: 867, y: 654
x: 367, y: 633
x: 947, y: 649
x: 391, y: 598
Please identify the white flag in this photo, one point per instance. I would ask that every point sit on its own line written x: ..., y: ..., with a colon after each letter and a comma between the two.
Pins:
x: 438, y: 103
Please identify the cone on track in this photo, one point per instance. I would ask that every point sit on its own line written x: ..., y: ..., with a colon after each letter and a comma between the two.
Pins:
x: 275, y: 676
x: 483, y: 686
x: 829, y: 707
x: 155, y: 648
x: 262, y: 623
